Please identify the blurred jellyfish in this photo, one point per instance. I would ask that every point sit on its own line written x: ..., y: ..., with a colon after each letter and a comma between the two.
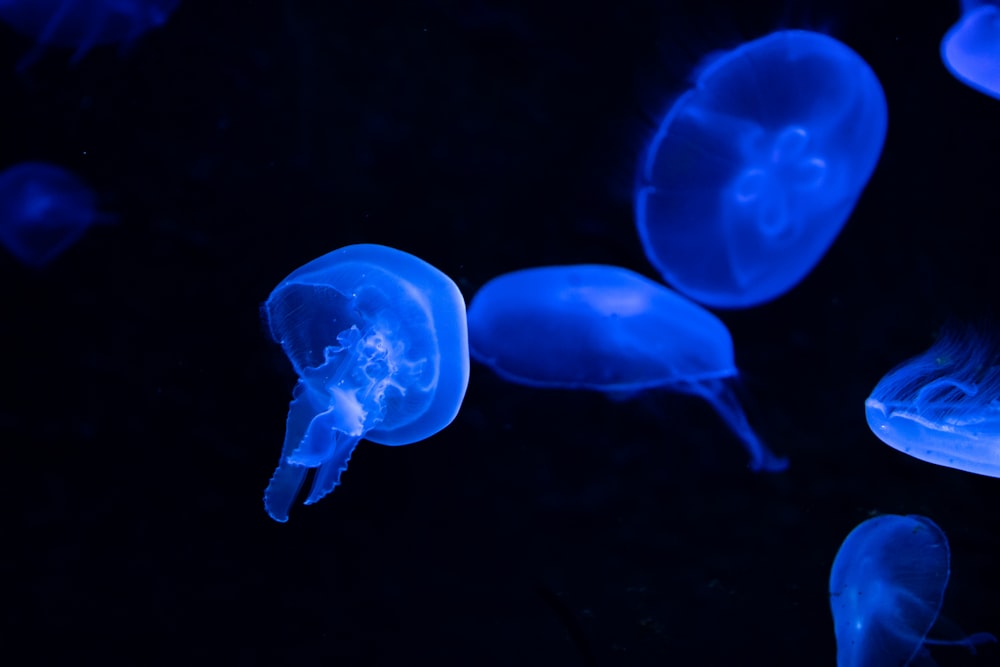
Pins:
x: 44, y: 210
x: 970, y: 50
x: 83, y: 24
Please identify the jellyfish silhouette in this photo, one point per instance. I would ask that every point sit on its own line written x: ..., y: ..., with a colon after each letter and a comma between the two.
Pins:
x: 44, y: 209
x: 608, y: 329
x: 886, y: 588
x: 970, y: 50
x: 83, y: 24
x: 943, y: 406
x: 379, y: 341
x: 752, y: 173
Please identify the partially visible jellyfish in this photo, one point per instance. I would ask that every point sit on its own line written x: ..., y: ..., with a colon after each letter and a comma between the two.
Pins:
x: 44, y: 209
x: 970, y: 49
x: 886, y: 588
x: 608, y: 329
x: 943, y: 406
x: 752, y: 173
x: 83, y: 24
x: 379, y: 341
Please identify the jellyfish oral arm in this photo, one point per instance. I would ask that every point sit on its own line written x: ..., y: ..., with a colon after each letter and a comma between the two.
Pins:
x: 323, y: 438
x: 944, y: 385
x: 282, y: 489
x: 721, y: 396
x: 311, y: 441
x: 288, y: 478
x: 330, y: 414
x: 970, y: 642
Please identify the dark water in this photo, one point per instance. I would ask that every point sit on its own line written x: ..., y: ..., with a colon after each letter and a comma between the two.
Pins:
x: 143, y: 405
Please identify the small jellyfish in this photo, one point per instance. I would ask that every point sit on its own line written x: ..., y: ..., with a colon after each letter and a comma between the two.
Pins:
x: 83, y: 24
x: 970, y: 49
x: 608, y: 329
x: 943, y: 406
x: 752, y: 173
x: 379, y: 341
x: 44, y: 209
x: 886, y: 588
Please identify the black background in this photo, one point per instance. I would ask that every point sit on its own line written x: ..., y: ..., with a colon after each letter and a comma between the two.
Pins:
x: 143, y: 403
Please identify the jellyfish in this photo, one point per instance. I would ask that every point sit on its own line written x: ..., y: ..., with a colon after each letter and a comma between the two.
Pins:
x: 44, y: 209
x: 753, y: 172
x: 943, y: 406
x: 970, y: 49
x: 379, y: 341
x: 83, y: 24
x: 886, y: 589
x: 607, y: 329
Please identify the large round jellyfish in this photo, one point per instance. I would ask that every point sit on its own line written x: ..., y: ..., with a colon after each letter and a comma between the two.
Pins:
x: 752, y: 173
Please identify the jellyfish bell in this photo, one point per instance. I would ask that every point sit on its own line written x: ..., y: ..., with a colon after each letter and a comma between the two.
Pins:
x: 943, y: 406
x: 44, y: 210
x: 752, y: 173
x: 887, y: 586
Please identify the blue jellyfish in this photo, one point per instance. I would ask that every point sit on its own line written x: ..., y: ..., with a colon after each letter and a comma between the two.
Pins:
x: 44, y: 209
x: 608, y: 329
x: 83, y: 24
x: 943, y: 406
x: 379, y: 341
x: 970, y: 50
x: 886, y: 589
x: 753, y: 172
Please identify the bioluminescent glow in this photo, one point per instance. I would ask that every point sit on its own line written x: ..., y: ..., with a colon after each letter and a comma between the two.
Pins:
x: 943, y: 406
x: 44, y: 210
x: 886, y: 588
x: 970, y: 50
x: 83, y: 24
x: 752, y: 173
x: 608, y: 329
x: 379, y: 341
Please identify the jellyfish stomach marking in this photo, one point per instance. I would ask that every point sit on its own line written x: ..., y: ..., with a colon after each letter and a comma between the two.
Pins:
x: 372, y: 363
x: 778, y: 166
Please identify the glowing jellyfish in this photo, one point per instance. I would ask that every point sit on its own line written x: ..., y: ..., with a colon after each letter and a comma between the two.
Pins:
x: 608, y: 329
x: 44, y: 209
x: 753, y: 172
x: 886, y: 588
x: 943, y: 406
x: 83, y: 24
x: 970, y: 50
x: 378, y: 338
